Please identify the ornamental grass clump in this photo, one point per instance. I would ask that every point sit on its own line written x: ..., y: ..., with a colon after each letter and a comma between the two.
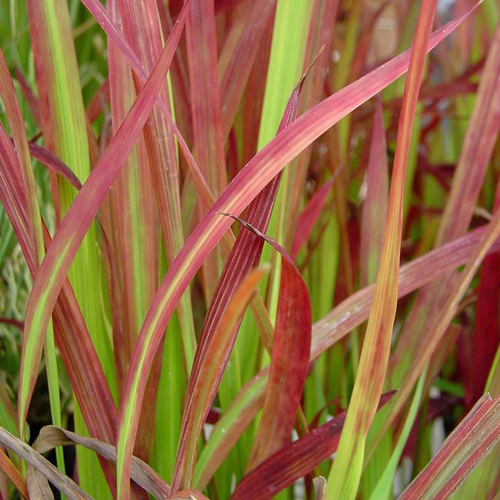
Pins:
x: 249, y: 249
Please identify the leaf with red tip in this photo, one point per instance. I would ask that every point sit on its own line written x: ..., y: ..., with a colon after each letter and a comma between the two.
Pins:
x: 478, y: 145
x: 289, y: 358
x: 309, y: 216
x: 345, y: 474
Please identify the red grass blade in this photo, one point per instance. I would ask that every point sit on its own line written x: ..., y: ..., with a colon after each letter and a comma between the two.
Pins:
x: 289, y: 359
x: 51, y: 161
x: 234, y: 73
x: 206, y: 115
x: 308, y: 217
x: 486, y: 337
x: 464, y: 449
x: 294, y: 461
x: 375, y: 204
x: 205, y: 101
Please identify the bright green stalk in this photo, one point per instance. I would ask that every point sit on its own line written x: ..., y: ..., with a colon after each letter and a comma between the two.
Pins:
x: 172, y: 388
x: 285, y: 67
x: 65, y: 132
x: 384, y: 486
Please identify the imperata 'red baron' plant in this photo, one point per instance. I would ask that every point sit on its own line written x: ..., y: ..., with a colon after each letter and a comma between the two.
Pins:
x: 210, y: 210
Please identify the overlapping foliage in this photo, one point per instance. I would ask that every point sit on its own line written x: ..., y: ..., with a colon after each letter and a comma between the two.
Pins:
x: 187, y: 357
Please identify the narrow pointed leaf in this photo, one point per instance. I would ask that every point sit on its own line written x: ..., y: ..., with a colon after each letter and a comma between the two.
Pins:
x: 289, y: 359
x: 233, y: 76
x: 13, y: 473
x: 375, y: 204
x: 346, y: 471
x: 309, y: 216
x: 51, y: 161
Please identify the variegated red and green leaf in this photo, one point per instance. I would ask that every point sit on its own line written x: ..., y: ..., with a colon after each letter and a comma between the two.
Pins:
x: 375, y: 203
x: 206, y: 375
x: 289, y: 359
x: 346, y: 471
x: 462, y: 451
